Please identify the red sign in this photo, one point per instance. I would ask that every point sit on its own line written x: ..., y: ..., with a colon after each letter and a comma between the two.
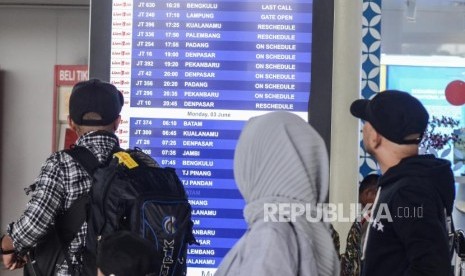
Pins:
x: 66, y: 76
x: 70, y: 74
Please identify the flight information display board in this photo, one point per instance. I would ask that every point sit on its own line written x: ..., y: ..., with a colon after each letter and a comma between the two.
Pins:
x: 192, y: 73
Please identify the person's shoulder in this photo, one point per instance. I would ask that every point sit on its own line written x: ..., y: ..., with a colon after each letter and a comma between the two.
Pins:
x: 414, y: 183
x: 60, y: 156
x: 270, y: 237
x: 55, y: 159
x: 407, y: 182
x: 59, y: 160
x: 274, y: 225
x: 271, y: 229
x: 410, y: 190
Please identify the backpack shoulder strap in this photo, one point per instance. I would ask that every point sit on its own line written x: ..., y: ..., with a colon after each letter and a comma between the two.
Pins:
x: 70, y: 222
x: 84, y: 157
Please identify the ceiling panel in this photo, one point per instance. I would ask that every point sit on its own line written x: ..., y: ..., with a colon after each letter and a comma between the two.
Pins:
x: 426, y: 5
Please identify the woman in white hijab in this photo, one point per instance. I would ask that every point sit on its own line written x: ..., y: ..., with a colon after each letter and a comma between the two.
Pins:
x: 280, y: 158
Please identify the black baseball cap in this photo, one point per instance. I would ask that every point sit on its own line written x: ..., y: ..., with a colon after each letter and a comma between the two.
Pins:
x: 124, y: 253
x: 95, y: 96
x: 396, y: 115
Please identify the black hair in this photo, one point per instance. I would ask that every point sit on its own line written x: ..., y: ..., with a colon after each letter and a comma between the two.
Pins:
x: 368, y: 182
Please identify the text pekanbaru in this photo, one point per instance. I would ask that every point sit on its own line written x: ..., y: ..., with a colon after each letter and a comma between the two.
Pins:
x: 331, y: 212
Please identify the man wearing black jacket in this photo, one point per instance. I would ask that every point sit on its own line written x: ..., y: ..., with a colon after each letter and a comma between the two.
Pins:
x: 408, y: 232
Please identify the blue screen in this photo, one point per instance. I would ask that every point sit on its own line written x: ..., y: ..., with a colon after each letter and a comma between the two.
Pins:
x: 193, y: 72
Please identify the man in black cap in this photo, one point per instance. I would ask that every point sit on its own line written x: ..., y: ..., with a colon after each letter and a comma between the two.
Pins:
x: 124, y: 253
x: 94, y: 114
x: 408, y: 230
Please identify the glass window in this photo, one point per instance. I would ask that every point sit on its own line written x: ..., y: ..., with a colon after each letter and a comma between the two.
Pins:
x: 423, y: 53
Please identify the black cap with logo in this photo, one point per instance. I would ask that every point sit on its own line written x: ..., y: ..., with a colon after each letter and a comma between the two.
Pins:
x: 95, y: 96
x: 396, y: 115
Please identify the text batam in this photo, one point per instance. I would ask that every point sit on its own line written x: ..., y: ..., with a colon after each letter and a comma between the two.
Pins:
x: 192, y: 123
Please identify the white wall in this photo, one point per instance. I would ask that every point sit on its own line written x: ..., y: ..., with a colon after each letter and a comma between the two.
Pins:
x: 32, y: 41
x: 347, y: 66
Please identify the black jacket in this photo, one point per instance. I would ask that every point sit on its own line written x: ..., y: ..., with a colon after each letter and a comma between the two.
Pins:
x: 407, y: 233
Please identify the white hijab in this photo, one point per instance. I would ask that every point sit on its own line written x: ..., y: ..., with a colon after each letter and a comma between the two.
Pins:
x: 281, y: 158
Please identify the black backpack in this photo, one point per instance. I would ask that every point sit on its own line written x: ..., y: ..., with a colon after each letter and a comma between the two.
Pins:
x: 132, y: 193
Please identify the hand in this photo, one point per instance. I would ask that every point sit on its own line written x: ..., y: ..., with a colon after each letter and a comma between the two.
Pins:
x: 13, y: 261
x: 10, y: 261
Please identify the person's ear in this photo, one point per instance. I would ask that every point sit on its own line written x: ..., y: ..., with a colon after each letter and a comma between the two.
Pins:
x: 74, y: 126
x: 116, y: 123
x: 371, y: 136
x: 71, y: 123
x: 376, y: 139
